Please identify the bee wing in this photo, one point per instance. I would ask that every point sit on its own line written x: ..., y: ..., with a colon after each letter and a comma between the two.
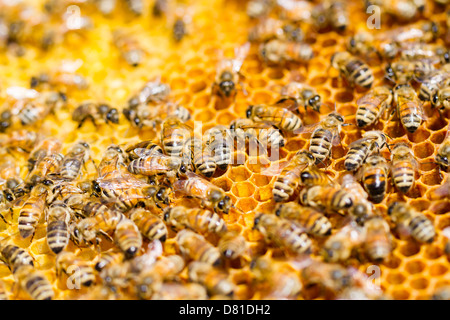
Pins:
x: 446, y: 232
x: 126, y: 181
x: 20, y: 93
x: 71, y: 66
x: 274, y: 169
x: 142, y: 152
x: 288, y: 103
x: 441, y: 192
x: 240, y: 54
x: 372, y: 99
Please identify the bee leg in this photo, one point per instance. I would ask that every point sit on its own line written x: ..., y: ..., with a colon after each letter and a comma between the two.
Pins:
x: 3, y: 218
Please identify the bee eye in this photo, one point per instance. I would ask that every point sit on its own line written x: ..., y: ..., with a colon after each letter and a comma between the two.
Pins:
x: 278, y: 212
x: 167, y: 216
x: 9, y: 197
x: 221, y: 204
x: 137, y: 121
x: 183, y: 168
x: 256, y: 221
x: 352, y: 42
x: 435, y: 99
x: 249, y: 111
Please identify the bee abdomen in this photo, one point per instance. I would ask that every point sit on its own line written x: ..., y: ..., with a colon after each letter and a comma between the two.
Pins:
x: 16, y: 256
x: 403, y: 176
x: 321, y: 144
x: 355, y: 158
x: 367, y: 114
x: 360, y: 73
x: 57, y: 236
x: 39, y: 288
x: 375, y: 185
x: 422, y: 229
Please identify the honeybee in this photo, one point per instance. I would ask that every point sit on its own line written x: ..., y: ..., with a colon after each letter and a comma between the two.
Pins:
x: 419, y: 51
x: 34, y: 283
x: 211, y: 196
x: 277, y: 115
x: 174, y: 135
x: 80, y: 270
x: 401, y: 71
x: 354, y: 70
x: 279, y: 52
x: 443, y: 154
x: 151, y: 226
x: 326, y: 198
x: 314, y: 222
x: 372, y: 105
x: 201, y: 157
x: 378, y: 242
x: 199, y: 220
x: 266, y: 135
x: 215, y: 281
x: 423, y: 31
x: 359, y: 150
x: 408, y: 220
x: 218, y: 140
x: 88, y: 229
x: 128, y: 47
x: 48, y: 165
x: 96, y: 112
x: 73, y: 161
x: 271, y: 28
x: 275, y: 280
x: 150, y: 280
x: 325, y: 135
x: 128, y: 237
x: 15, y: 256
x: 152, y: 164
x: 148, y: 145
x: 329, y: 276
x: 152, y: 91
x: 43, y: 148
x: 112, y: 162
x: 441, y: 99
x: 196, y: 247
x: 85, y: 207
x: 23, y: 140
x: 178, y: 291
x: 58, y: 217
x: 144, y: 115
x: 227, y: 73
x: 289, y: 178
x: 339, y: 246
x: 232, y: 245
x: 403, y: 167
x: 30, y: 213
x: 409, y: 107
x: 127, y: 192
x: 304, y: 94
x: 283, y: 233
x: 374, y: 176
x: 362, y: 208
x: 112, y: 256
x: 362, y: 44
x: 64, y: 76
x: 181, y: 21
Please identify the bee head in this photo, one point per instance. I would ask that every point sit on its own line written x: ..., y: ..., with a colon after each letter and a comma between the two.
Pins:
x: 224, y: 204
x: 227, y: 87
x: 315, y: 103
x: 112, y: 116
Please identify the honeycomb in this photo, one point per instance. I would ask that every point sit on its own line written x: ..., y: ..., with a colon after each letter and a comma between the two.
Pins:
x: 412, y: 271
